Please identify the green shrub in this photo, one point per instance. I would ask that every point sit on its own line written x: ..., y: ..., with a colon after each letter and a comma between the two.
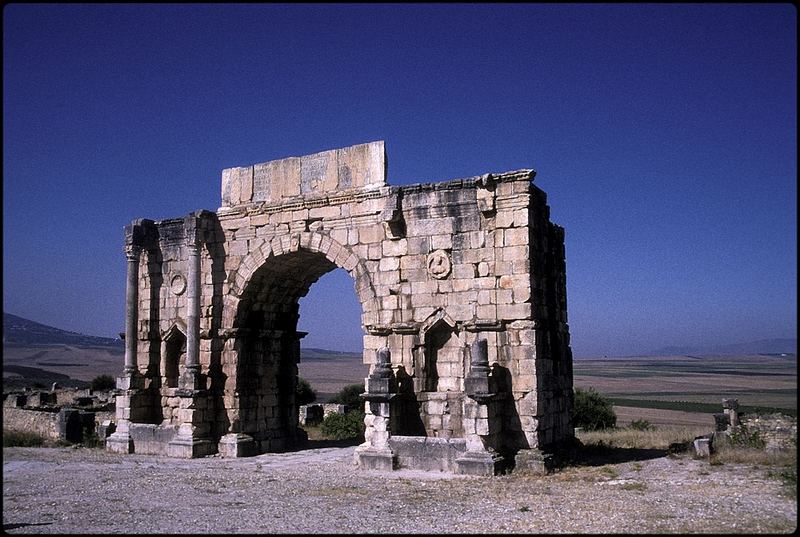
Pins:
x: 592, y: 411
x: 742, y: 436
x: 641, y: 425
x: 344, y: 426
x: 22, y: 439
x: 349, y: 395
x: 103, y: 382
x: 304, y: 394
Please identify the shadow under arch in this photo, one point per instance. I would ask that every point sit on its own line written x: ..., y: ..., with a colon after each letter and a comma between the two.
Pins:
x: 262, y: 311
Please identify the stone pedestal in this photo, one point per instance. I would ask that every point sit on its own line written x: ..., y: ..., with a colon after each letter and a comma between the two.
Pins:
x: 534, y: 461
x: 368, y: 457
x: 702, y: 447
x: 187, y: 447
x: 237, y: 445
x: 481, y: 463
x: 375, y: 453
x: 482, y: 422
x: 120, y: 441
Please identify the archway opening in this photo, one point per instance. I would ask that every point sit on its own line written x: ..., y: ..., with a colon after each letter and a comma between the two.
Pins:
x: 332, y: 350
x: 269, y: 348
x: 332, y: 361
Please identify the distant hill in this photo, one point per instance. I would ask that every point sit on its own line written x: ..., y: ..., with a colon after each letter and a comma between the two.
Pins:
x: 762, y: 346
x: 312, y: 353
x: 19, y: 331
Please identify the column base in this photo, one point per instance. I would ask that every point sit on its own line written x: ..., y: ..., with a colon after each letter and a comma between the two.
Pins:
x: 192, y: 380
x: 119, y: 442
x: 237, y: 445
x: 371, y: 458
x: 130, y: 381
x: 534, y: 461
x: 190, y: 448
x: 480, y: 463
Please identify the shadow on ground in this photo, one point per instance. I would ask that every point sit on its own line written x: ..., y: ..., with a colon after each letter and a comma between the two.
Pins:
x: 602, y: 455
x: 7, y: 527
x: 317, y: 444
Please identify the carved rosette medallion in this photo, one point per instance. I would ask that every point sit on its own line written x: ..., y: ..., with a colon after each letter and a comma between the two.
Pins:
x: 177, y: 284
x: 439, y: 264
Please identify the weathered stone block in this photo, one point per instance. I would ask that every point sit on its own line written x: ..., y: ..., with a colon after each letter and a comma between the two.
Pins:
x: 702, y: 447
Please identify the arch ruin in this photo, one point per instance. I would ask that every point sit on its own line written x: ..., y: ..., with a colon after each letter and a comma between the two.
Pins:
x: 463, y: 297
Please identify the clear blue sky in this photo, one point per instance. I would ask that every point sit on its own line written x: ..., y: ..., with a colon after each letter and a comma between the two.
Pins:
x: 664, y: 135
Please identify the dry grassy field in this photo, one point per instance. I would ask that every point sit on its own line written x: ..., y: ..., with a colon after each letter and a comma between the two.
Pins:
x: 689, y: 389
x: 50, y: 363
x: 694, y: 387
x: 330, y: 373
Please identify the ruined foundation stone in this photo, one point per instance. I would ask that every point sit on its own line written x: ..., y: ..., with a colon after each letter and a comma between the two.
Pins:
x: 439, y: 269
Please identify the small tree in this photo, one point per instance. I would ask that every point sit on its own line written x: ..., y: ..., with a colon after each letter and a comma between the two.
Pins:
x: 304, y: 394
x: 592, y: 411
x: 103, y: 382
x: 344, y: 426
x: 349, y: 395
x: 641, y: 425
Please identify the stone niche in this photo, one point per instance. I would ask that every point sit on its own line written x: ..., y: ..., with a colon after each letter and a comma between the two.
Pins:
x: 462, y: 287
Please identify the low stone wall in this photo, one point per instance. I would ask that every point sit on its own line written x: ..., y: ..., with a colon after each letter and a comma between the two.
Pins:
x: 316, y: 413
x: 429, y: 454
x: 150, y: 439
x: 54, y: 423
x: 333, y: 408
x: 777, y: 430
x: 31, y: 421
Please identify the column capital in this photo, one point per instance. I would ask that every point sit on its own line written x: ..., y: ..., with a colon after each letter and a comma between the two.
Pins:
x: 193, y: 230
x: 132, y: 251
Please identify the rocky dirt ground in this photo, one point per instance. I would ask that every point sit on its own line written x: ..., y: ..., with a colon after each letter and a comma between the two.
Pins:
x: 80, y: 490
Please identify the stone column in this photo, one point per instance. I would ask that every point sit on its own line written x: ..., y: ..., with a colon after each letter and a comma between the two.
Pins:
x: 132, y: 252
x: 381, y: 385
x: 129, y: 384
x: 191, y: 379
x: 193, y: 311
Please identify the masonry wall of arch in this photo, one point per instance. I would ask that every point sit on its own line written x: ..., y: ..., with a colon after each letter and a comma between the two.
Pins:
x: 435, y: 267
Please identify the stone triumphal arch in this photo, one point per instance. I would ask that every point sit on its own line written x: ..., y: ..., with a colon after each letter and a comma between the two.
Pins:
x: 463, y: 297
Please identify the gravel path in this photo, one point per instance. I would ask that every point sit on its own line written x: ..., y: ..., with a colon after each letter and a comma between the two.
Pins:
x: 69, y: 490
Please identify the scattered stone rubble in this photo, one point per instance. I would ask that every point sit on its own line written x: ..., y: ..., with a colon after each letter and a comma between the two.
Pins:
x: 777, y: 431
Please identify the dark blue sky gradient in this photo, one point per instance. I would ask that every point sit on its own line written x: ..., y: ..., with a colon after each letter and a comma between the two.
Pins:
x: 664, y: 136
